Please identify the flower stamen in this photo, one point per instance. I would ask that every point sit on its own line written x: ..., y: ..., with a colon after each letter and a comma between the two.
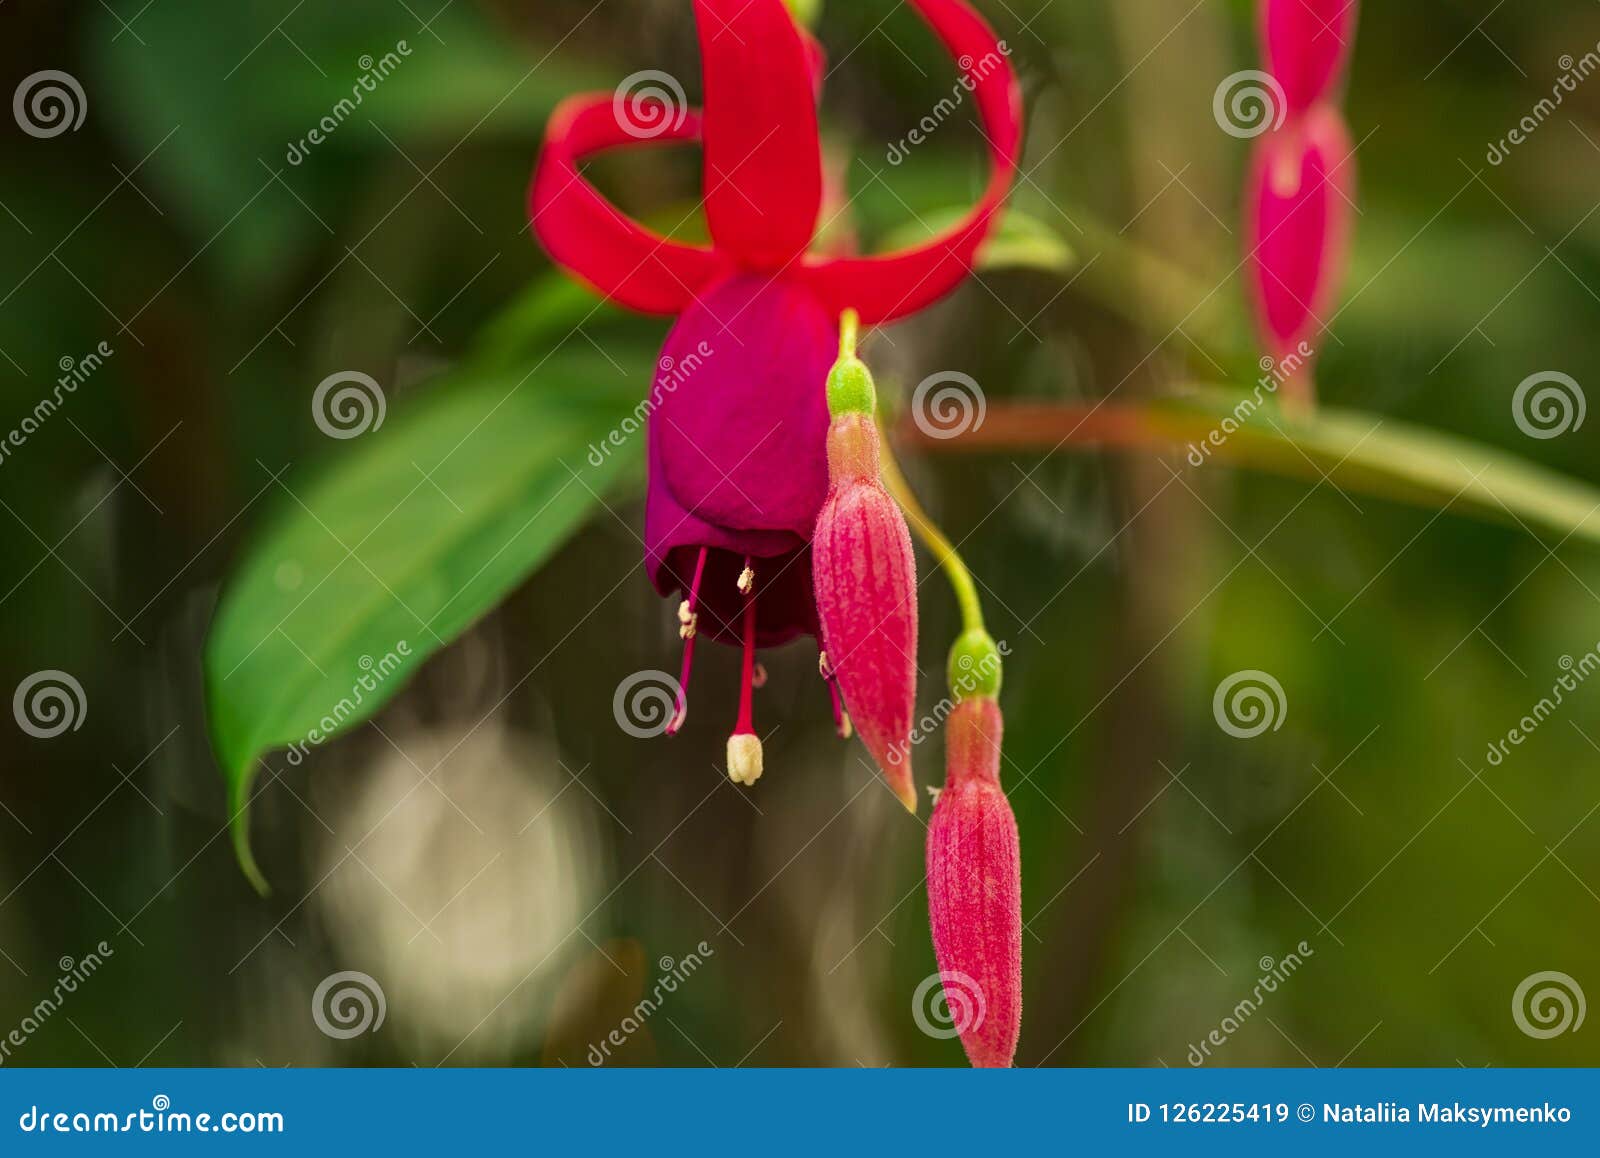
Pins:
x: 689, y: 620
x: 841, y: 718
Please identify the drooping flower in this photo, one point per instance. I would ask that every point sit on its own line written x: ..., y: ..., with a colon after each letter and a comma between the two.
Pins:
x: 975, y: 874
x: 739, y: 419
x: 866, y: 577
x: 1299, y: 196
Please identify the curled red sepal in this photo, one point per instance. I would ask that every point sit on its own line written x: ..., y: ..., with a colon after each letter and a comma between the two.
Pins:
x: 889, y: 286
x: 763, y: 172
x: 763, y: 160
x: 975, y: 886
x: 593, y: 238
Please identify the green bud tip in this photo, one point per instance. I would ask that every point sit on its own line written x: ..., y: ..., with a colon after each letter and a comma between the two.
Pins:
x: 805, y: 12
x: 850, y: 387
x: 974, y: 668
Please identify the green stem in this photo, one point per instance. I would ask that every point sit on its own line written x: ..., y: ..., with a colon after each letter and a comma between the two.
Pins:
x: 974, y: 664
x: 849, y: 331
x: 943, y: 550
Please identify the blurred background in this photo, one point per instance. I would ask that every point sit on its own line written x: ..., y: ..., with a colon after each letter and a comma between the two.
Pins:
x: 513, y: 870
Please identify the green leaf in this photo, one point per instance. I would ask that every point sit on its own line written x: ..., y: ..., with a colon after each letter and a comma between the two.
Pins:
x: 1020, y: 241
x: 531, y: 321
x: 415, y: 530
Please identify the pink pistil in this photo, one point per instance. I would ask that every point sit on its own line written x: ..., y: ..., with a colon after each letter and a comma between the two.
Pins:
x: 744, y: 746
x: 747, y: 681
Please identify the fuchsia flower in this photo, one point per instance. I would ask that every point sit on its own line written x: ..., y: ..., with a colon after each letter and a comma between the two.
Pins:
x: 1301, y: 188
x: 738, y: 469
x: 866, y: 577
x: 975, y: 886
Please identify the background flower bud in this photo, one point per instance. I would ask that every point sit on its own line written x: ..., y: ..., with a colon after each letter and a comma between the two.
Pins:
x: 1307, y: 44
x: 1298, y: 214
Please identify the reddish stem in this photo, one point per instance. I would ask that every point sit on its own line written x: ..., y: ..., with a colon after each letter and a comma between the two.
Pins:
x: 1046, y: 425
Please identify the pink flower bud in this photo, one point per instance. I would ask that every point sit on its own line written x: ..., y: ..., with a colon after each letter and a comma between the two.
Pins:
x: 975, y: 886
x: 1299, y: 202
x: 866, y: 588
x: 1307, y: 44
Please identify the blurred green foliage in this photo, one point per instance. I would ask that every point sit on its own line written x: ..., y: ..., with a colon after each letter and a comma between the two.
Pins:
x: 1164, y: 859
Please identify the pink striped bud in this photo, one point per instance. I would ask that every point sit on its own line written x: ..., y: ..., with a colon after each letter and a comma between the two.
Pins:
x: 866, y: 588
x: 975, y: 886
x: 1306, y: 44
x: 1298, y: 211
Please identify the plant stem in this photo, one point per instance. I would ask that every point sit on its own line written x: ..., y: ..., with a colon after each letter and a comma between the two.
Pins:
x: 1048, y: 425
x: 849, y: 329
x: 894, y: 482
x: 935, y: 539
